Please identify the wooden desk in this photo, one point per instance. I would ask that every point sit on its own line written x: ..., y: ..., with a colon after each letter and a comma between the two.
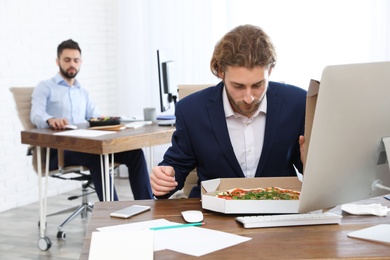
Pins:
x: 303, y: 242
x: 129, y: 139
x: 105, y: 145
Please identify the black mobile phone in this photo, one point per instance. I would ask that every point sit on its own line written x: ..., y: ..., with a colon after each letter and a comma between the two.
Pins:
x: 387, y: 197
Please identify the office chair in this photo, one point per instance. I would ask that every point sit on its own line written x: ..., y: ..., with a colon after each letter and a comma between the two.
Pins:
x: 22, y: 97
x: 183, y: 91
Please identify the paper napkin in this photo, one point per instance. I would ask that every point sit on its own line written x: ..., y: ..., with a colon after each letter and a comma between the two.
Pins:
x: 369, y: 209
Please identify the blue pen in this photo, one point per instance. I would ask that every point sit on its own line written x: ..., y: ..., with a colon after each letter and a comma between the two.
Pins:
x: 178, y: 226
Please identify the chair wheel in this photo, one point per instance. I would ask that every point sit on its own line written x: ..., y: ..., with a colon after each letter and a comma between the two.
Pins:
x: 44, y: 243
x: 61, y: 234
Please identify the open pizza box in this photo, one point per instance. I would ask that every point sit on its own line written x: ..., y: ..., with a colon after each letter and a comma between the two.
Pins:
x: 210, y: 188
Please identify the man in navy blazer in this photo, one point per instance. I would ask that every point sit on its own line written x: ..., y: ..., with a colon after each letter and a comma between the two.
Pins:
x: 246, y: 126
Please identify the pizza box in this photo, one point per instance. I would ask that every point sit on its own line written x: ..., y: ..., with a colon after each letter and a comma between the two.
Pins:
x: 210, y: 188
x: 311, y: 103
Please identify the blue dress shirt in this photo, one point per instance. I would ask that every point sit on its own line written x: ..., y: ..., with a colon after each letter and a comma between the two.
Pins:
x: 55, y: 98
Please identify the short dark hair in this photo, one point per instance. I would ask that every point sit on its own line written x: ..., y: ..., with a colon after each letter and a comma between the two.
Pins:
x: 68, y: 44
x: 245, y: 46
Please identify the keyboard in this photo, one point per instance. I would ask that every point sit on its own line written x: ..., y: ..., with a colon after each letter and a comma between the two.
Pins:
x: 289, y: 220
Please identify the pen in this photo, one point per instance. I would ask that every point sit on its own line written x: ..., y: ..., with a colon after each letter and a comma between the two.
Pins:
x: 178, y: 226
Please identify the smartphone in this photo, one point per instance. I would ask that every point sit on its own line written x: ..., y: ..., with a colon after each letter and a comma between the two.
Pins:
x: 129, y: 211
x: 387, y: 197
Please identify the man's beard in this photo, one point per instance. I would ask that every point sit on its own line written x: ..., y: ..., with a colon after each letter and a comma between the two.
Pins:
x: 240, y: 106
x: 68, y: 75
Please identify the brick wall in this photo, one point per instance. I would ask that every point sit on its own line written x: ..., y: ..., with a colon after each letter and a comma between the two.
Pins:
x: 30, y: 32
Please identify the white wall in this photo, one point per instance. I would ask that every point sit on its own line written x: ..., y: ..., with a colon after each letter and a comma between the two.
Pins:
x: 188, y: 28
x: 119, y: 40
x: 30, y: 32
x: 308, y: 35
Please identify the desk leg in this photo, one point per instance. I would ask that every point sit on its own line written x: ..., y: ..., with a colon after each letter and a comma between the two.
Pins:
x: 111, y: 175
x: 44, y: 242
x: 107, y: 185
x: 103, y: 177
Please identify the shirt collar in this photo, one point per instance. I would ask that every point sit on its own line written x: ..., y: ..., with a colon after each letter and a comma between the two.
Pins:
x: 61, y: 81
x: 229, y: 110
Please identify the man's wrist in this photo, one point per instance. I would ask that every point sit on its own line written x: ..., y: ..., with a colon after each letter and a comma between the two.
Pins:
x: 48, y: 121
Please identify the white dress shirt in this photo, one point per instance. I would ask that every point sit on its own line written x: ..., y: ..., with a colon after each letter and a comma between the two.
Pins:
x: 246, y: 135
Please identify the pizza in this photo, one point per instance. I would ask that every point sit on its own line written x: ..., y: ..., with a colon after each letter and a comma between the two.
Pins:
x: 270, y: 193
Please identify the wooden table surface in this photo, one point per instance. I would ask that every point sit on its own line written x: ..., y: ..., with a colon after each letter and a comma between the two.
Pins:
x: 105, y: 145
x: 128, y: 139
x: 299, y: 242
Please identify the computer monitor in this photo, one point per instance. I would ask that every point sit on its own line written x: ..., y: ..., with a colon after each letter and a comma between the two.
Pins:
x: 345, y: 157
x: 166, y: 77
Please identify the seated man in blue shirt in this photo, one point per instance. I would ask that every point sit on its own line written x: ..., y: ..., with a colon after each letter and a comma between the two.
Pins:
x: 60, y: 101
x: 246, y: 126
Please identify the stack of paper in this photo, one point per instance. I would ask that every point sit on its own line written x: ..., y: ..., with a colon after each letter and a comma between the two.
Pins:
x: 121, y: 245
x: 196, y: 241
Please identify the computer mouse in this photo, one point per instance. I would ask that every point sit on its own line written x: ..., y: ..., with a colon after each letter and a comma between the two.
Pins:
x: 192, y: 216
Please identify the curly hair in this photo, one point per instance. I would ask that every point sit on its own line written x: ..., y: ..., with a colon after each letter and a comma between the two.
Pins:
x: 245, y: 46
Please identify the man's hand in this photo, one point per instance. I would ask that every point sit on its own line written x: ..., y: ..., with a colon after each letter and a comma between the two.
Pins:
x: 162, y: 180
x: 57, y: 123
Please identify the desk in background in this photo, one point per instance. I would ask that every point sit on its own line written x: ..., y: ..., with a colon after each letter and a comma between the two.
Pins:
x: 299, y: 242
x: 105, y: 145
x: 128, y: 139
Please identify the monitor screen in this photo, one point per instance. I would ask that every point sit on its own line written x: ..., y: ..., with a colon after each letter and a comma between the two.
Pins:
x: 345, y: 153
x: 166, y: 74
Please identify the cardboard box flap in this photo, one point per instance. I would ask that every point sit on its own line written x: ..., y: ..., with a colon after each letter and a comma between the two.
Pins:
x: 314, y: 87
x: 311, y: 102
x: 211, y: 185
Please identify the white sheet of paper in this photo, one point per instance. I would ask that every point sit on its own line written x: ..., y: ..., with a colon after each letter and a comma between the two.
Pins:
x: 121, y: 245
x: 138, y: 124
x: 194, y: 241
x: 85, y: 133
x: 378, y: 233
x: 144, y: 225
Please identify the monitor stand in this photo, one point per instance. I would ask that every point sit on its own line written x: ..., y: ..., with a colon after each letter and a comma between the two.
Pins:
x: 171, y: 122
x: 383, y: 158
x: 386, y: 143
x: 166, y: 120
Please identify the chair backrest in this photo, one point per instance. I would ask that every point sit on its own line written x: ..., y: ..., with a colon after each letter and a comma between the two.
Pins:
x: 22, y: 97
x: 185, y: 90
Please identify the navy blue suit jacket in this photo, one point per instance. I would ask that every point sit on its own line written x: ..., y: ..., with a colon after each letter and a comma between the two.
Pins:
x: 202, y: 140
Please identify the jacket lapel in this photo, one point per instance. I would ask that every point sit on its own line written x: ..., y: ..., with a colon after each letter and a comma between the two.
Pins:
x: 215, y: 110
x: 273, y: 115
